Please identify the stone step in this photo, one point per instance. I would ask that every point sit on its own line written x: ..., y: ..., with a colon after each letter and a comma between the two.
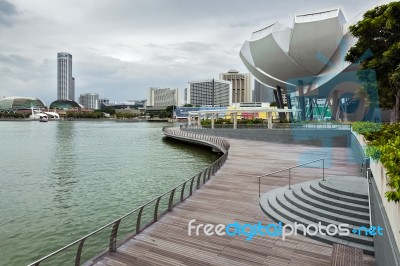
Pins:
x: 311, y: 193
x: 298, y: 194
x: 295, y: 214
x: 322, y: 191
x: 270, y: 212
x: 344, y: 217
x: 340, y: 190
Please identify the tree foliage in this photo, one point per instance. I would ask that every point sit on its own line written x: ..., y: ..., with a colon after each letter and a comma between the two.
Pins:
x: 378, y: 35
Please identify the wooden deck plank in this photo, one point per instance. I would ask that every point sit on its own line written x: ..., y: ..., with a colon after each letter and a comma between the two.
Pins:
x: 232, y: 195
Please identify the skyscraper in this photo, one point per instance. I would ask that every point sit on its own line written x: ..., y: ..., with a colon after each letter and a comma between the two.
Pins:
x: 263, y: 93
x: 90, y: 100
x: 162, y: 97
x: 65, y: 81
x: 241, y: 85
x: 211, y: 92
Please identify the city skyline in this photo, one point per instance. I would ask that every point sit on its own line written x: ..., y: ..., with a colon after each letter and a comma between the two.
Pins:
x: 122, y: 49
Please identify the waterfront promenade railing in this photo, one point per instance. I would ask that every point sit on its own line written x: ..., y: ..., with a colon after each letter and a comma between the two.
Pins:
x: 276, y: 126
x: 142, y: 217
x: 289, y: 170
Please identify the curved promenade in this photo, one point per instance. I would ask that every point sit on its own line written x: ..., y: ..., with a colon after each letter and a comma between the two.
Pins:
x: 137, y: 220
x: 232, y: 195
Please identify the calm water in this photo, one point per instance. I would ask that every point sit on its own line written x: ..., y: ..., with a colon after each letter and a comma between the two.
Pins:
x: 61, y: 180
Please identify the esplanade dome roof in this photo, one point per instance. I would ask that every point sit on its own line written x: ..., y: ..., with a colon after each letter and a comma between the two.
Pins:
x: 65, y: 104
x: 20, y: 103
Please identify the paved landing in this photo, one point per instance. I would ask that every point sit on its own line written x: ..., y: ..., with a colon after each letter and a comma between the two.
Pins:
x: 232, y: 195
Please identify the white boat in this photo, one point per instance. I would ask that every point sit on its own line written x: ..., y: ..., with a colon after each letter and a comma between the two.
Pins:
x: 43, y: 118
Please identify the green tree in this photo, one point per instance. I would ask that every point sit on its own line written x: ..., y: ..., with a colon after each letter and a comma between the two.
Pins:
x: 379, y: 33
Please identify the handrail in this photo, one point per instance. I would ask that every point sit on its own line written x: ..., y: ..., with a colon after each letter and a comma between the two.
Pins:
x: 276, y: 126
x: 368, y: 174
x: 220, y: 143
x: 288, y: 169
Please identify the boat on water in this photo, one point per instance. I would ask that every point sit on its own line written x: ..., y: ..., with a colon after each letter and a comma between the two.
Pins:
x: 43, y: 118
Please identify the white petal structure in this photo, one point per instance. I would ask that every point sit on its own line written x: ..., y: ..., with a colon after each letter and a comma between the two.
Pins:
x: 277, y: 55
x: 307, y: 59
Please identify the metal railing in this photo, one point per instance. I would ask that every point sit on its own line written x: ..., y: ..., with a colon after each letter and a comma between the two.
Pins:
x: 290, y: 169
x: 153, y: 210
x: 277, y: 126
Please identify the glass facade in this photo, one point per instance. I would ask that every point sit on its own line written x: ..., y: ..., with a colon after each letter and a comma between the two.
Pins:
x: 13, y: 104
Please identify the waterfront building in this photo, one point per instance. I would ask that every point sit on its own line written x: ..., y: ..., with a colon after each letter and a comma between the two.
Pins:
x: 185, y: 96
x: 308, y: 66
x: 65, y: 81
x: 211, y: 92
x: 241, y: 85
x: 66, y: 105
x: 90, y: 100
x: 104, y: 101
x: 263, y: 93
x: 20, y: 104
x: 162, y: 97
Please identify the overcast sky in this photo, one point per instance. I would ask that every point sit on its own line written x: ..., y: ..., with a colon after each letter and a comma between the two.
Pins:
x: 120, y: 48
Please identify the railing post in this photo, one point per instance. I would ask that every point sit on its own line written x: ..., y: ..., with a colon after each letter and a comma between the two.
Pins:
x: 156, y: 209
x: 171, y: 199
x: 198, y: 181
x: 138, y: 220
x: 113, y: 237
x: 183, y: 191
x: 323, y: 169
x: 78, y: 253
x: 289, y: 178
x: 191, y: 186
x: 259, y: 186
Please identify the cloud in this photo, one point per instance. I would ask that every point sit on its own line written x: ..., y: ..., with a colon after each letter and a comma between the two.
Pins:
x: 121, y: 48
x: 7, y: 12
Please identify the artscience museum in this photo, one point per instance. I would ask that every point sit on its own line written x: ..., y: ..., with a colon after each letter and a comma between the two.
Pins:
x: 306, y: 62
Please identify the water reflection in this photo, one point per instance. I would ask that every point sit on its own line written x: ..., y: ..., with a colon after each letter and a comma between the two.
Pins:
x: 63, y: 160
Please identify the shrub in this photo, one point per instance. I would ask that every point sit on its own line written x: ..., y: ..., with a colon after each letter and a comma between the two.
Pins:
x: 370, y: 130
x: 384, y: 146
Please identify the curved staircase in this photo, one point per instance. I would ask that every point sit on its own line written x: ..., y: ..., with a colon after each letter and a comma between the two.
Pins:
x: 337, y: 200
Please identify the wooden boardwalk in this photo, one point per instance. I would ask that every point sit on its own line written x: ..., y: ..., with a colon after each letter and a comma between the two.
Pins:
x: 232, y: 195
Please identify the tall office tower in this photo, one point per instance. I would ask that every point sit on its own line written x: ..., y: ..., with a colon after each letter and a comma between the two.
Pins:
x: 72, y: 91
x: 185, y: 95
x: 65, y: 81
x: 263, y: 93
x: 211, y: 92
x: 162, y: 97
x: 241, y: 85
x: 90, y: 100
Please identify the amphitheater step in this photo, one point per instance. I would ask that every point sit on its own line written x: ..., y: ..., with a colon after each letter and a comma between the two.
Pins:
x: 312, y: 203
x: 325, y: 199
x: 355, y: 190
x: 333, y: 195
x: 340, y: 215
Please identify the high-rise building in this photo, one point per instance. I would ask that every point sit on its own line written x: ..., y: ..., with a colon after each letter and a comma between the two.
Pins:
x: 65, y: 81
x: 162, y: 97
x: 263, y: 93
x: 211, y: 92
x: 104, y: 101
x: 241, y: 85
x: 72, y: 91
x: 90, y: 100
